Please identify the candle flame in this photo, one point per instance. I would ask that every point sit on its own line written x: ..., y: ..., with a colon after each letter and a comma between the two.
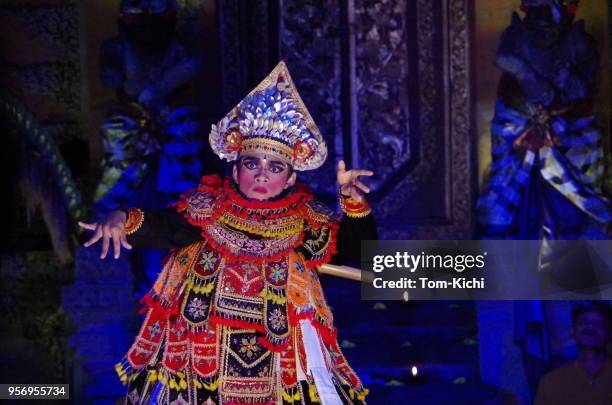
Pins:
x: 414, y: 371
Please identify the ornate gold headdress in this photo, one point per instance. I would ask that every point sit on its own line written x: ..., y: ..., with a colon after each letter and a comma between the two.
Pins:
x: 271, y: 118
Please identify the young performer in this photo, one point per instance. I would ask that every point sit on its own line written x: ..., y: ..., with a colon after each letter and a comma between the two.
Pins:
x: 237, y: 314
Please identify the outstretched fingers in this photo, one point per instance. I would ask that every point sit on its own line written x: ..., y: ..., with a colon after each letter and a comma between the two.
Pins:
x: 361, y: 186
x: 105, y: 243
x: 109, y: 234
x: 96, y: 236
x: 360, y: 172
x: 116, y: 235
x: 89, y: 226
x: 125, y: 243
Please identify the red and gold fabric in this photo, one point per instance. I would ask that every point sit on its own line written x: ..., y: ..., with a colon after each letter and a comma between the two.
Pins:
x: 353, y: 208
x: 133, y: 221
x: 223, y: 318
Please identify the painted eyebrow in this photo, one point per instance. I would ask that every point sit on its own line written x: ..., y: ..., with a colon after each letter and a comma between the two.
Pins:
x: 275, y: 163
x: 258, y: 160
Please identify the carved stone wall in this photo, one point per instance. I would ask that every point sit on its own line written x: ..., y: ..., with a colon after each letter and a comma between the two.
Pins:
x: 248, y: 45
x: 388, y: 83
x: 48, y: 77
x: 311, y: 44
x: 425, y: 191
x: 100, y: 305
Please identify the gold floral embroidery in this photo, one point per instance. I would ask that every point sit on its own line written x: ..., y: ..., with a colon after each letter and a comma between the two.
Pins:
x: 197, y: 309
x: 250, y: 347
x: 208, y: 260
x: 278, y: 320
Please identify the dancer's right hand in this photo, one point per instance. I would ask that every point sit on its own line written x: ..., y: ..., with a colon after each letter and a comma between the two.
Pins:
x: 113, y: 227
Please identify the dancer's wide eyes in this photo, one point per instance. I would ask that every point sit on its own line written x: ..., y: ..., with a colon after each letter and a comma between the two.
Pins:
x: 249, y: 164
x: 274, y: 167
x: 277, y: 168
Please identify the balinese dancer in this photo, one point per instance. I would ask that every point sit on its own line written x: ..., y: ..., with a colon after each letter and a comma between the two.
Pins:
x: 547, y: 168
x: 237, y: 315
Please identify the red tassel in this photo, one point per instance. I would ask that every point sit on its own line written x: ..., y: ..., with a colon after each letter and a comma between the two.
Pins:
x: 328, y: 335
x: 215, y: 320
x: 265, y: 342
x: 211, y: 181
x: 159, y: 309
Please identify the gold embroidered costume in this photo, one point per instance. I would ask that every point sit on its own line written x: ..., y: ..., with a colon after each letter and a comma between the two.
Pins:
x: 237, y: 314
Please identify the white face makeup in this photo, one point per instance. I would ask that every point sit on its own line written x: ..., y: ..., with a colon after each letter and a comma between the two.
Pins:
x: 262, y: 177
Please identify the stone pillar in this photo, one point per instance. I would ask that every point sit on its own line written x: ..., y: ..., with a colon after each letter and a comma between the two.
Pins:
x: 100, y: 305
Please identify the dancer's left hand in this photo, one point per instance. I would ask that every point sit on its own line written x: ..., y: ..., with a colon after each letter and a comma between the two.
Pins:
x: 349, y: 182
